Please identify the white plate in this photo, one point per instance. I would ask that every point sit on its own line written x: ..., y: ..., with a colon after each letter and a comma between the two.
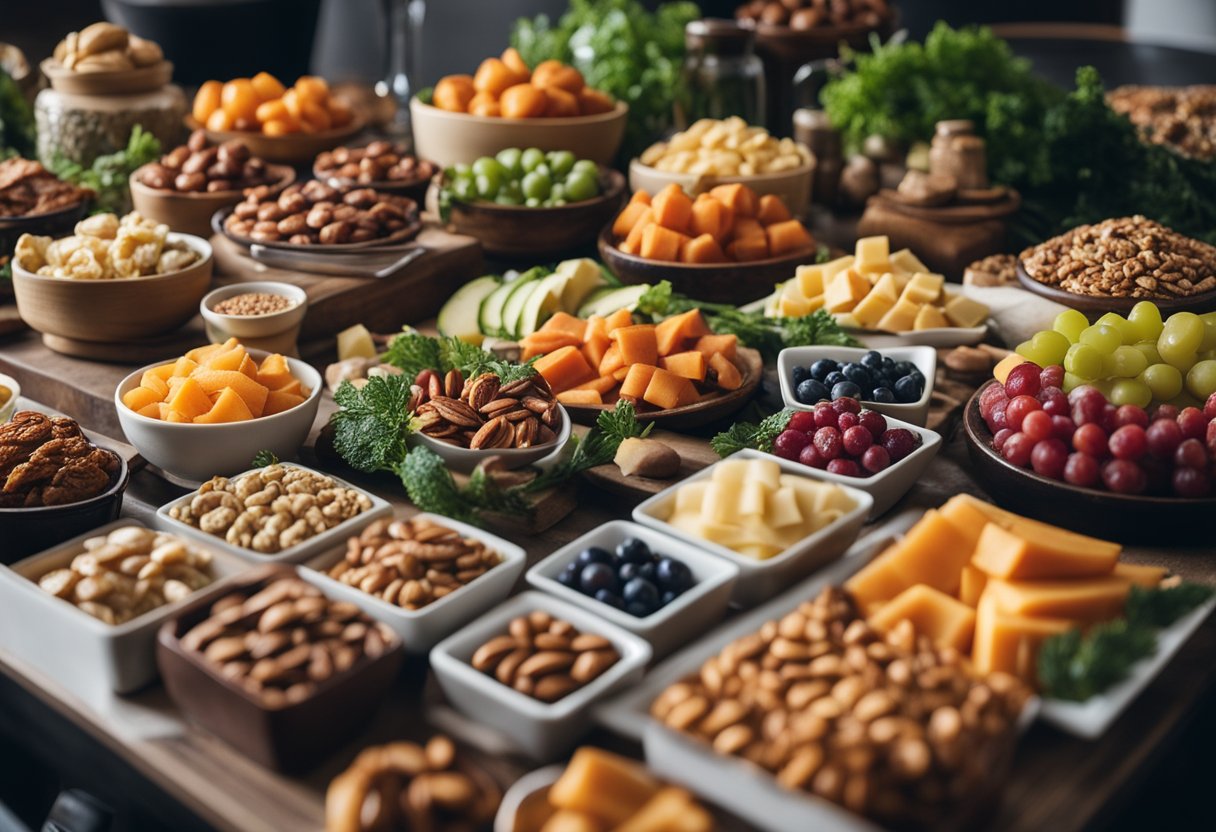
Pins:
x: 294, y: 554
x: 533, y: 785
x: 1090, y: 719
x: 421, y: 629
x: 760, y: 580
x: 923, y: 358
x: 949, y: 336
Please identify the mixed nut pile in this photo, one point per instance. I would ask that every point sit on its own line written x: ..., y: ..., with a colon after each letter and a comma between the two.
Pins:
x: 47, y: 461
x: 197, y: 167
x: 380, y: 161
x: 1126, y: 257
x: 1183, y: 118
x: 811, y: 14
x: 104, y: 47
x: 313, y: 212
x: 482, y: 412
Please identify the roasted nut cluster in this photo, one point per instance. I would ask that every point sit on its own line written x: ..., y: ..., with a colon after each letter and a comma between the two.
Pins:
x: 282, y: 640
x: 28, y: 189
x: 993, y: 270
x: 128, y: 572
x: 406, y: 786
x: 412, y: 563
x: 380, y: 161
x: 811, y: 14
x: 313, y: 212
x: 1127, y: 257
x: 197, y: 167
x: 892, y: 728
x: 545, y: 657
x: 46, y: 461
x: 104, y: 247
x: 482, y: 412
x: 726, y: 147
x: 104, y: 47
x: 1183, y: 118
x: 252, y: 304
x: 271, y: 509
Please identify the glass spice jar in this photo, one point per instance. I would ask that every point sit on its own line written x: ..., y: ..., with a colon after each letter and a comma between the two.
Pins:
x: 721, y: 76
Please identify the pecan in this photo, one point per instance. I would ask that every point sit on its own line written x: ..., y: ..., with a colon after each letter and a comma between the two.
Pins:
x: 453, y: 384
x: 500, y: 405
x: 481, y: 391
x: 456, y: 412
x: 525, y: 432
x: 493, y: 434
x: 535, y: 404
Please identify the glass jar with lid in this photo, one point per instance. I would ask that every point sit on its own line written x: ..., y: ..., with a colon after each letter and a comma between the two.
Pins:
x: 722, y: 76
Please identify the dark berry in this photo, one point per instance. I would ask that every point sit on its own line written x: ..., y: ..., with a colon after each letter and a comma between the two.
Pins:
x: 597, y: 576
x: 811, y: 391
x: 595, y: 554
x: 821, y: 368
x: 632, y: 550
x: 845, y: 390
x: 673, y: 575
x: 605, y: 596
x: 641, y: 597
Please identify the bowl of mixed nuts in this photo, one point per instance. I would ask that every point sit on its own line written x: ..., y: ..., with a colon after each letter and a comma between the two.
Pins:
x: 467, y: 421
x: 381, y: 165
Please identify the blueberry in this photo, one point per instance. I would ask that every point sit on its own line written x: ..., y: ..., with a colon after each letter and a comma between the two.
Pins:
x: 674, y: 575
x: 648, y: 571
x: 907, y: 389
x: 902, y: 368
x: 801, y: 374
x: 569, y: 575
x: 833, y: 378
x: 632, y: 550
x: 872, y: 360
x: 888, y: 364
x: 595, y: 554
x: 667, y: 598
x: 610, y: 598
x: 811, y: 391
x: 597, y: 576
x: 882, y: 395
x: 857, y: 374
x: 642, y: 594
x: 845, y: 389
x: 821, y: 368
x: 919, y: 376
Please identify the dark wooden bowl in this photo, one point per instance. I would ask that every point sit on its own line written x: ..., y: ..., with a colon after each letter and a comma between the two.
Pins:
x: 798, y: 46
x: 690, y: 416
x: 296, y: 149
x: 1095, y: 307
x: 537, y: 233
x: 713, y: 282
x: 1105, y: 514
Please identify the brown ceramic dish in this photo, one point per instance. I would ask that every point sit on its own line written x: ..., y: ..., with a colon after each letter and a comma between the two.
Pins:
x: 292, y: 149
x: 798, y: 46
x: 1095, y: 306
x: 539, y: 233
x: 190, y: 212
x: 293, y: 738
x: 704, y: 412
x: 117, y: 82
x: 735, y: 283
x: 1121, y: 517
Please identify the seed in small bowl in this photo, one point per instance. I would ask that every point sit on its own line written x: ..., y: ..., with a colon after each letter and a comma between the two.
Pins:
x: 253, y: 304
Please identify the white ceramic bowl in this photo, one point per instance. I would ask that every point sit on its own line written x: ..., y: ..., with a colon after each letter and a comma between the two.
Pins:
x: 923, y: 358
x: 542, y: 730
x: 199, y: 452
x: 284, y: 325
x: 676, y: 624
x: 762, y: 579
x: 9, y: 407
x: 421, y: 629
x: 55, y: 636
x: 529, y: 797
x: 793, y: 186
x: 294, y: 554
x: 465, y: 460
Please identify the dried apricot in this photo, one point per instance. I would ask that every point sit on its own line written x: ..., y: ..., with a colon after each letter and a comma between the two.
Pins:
x: 207, y: 101
x: 523, y: 101
x: 238, y: 99
x: 454, y: 92
x: 267, y: 87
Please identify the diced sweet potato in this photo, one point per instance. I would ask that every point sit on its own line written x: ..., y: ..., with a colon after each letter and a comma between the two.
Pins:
x: 200, y: 355
x: 671, y: 333
x: 640, y: 196
x: 747, y: 228
x: 637, y: 343
x: 249, y: 367
x: 702, y: 249
x: 633, y: 241
x: 739, y: 198
x: 293, y: 386
x: 619, y: 318
x: 151, y: 410
x: 252, y: 393
x: 690, y: 364
x: 137, y: 398
x: 636, y: 380
x: 190, y: 399
x: 565, y: 322
x: 596, y: 326
x: 659, y: 243
x: 541, y: 343
x: 580, y: 397
x: 564, y: 368
x: 185, y: 366
x: 709, y: 216
x: 786, y: 237
x: 155, y: 383
x: 611, y: 362
x: 228, y: 407
x: 628, y: 217
x: 601, y: 385
x: 667, y: 390
x: 164, y: 372
x: 279, y: 401
x: 595, y: 348
x: 727, y: 344
x: 772, y: 209
x: 748, y: 248
x: 274, y: 372
x: 177, y: 416
x: 229, y: 360
x: 729, y: 377
x: 672, y: 208
x: 618, y: 375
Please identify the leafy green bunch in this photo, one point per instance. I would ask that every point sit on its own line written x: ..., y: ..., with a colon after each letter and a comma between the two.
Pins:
x: 413, y: 352
x: 16, y: 120
x: 109, y: 175
x: 757, y: 436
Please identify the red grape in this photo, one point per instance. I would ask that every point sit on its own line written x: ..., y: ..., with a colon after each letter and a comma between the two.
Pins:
x: 1190, y: 482
x: 1063, y: 427
x: 1054, y: 401
x: 1023, y: 380
x: 825, y: 416
x: 828, y: 442
x: 1211, y: 438
x: 1130, y: 414
x: 997, y: 417
x: 1209, y: 407
x: 1193, y: 423
x: 874, y: 422
x: 803, y: 420
x: 1088, y: 409
x: 998, y: 440
x: 899, y: 442
x: 875, y: 459
x: 1083, y: 392
x: 1128, y: 442
x: 1163, y: 437
x: 1165, y: 411
x: 1017, y: 449
x: 1049, y: 458
x: 811, y: 457
x: 1123, y: 477
x: 844, y: 467
x: 1090, y: 439
x: 1037, y: 426
x: 1081, y: 469
x: 789, y: 443
x: 1108, y: 418
x: 991, y: 395
x: 1018, y: 407
x: 1191, y: 454
x: 856, y: 439
x: 1052, y: 376
x: 847, y: 420
x: 846, y: 405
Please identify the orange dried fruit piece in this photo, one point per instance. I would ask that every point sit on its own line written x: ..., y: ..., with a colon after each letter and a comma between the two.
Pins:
x: 251, y: 393
x: 137, y: 398
x: 190, y: 399
x: 228, y: 407
x: 277, y: 401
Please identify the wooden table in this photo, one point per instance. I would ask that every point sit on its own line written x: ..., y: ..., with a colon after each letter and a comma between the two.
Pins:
x: 136, y: 749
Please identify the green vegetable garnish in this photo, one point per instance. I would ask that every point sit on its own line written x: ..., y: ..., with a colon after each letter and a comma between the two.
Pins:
x: 751, y: 435
x: 412, y: 352
x: 16, y: 120
x: 263, y: 458
x: 109, y: 175
x: 373, y: 422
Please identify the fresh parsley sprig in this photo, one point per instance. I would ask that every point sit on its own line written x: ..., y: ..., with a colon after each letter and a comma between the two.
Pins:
x: 413, y: 352
x: 751, y: 435
x: 372, y: 422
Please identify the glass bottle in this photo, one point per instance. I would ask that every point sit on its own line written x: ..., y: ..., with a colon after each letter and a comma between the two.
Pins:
x: 403, y: 33
x: 722, y: 76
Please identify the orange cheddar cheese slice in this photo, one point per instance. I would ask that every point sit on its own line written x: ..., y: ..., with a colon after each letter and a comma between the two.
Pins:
x: 1080, y: 599
x: 1025, y: 550
x: 1010, y: 643
x: 946, y: 620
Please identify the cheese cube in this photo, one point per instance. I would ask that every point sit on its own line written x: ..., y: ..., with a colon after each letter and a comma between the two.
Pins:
x: 1087, y: 599
x: 834, y: 267
x: 721, y: 503
x: 793, y: 307
x: 355, y: 342
x: 873, y: 254
x: 907, y: 262
x: 1140, y: 574
x: 783, y: 509
x: 753, y: 499
x: 1010, y: 643
x: 963, y: 512
x: 724, y: 534
x: 933, y: 552
x: 901, y: 318
x: 765, y: 471
x: 924, y: 288
x: 887, y: 287
x: 876, y: 582
x: 1022, y: 549
x: 845, y: 290
x: 872, y: 308
x: 731, y: 473
x: 809, y: 280
x: 971, y: 587
x: 848, y: 320
x: 962, y: 311
x: 930, y: 317
x: 690, y: 497
x: 947, y: 621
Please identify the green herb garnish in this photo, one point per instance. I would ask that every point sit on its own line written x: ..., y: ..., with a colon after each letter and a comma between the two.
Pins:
x: 372, y: 422
x: 17, y: 130
x: 109, y: 175
x: 263, y: 458
x: 751, y: 435
x: 413, y: 352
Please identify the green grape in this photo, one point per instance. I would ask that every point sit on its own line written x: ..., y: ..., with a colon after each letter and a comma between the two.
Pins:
x: 1104, y: 386
x: 1050, y: 347
x: 543, y: 170
x: 1201, y: 380
x: 512, y: 190
x: 580, y: 186
x: 1149, y: 350
x: 586, y: 166
x: 1083, y: 360
x: 1121, y: 325
x: 489, y: 166
x: 1101, y: 337
x: 536, y: 185
x: 505, y: 198
x: 532, y: 202
x: 561, y: 162
x: 464, y: 189
x: 1026, y: 350
x: 509, y: 158
x: 1130, y: 391
x: 461, y: 170
x: 530, y: 158
x: 1209, y: 332
x: 1129, y: 362
x: 1163, y: 380
x: 558, y: 203
x: 488, y: 185
x: 1108, y: 366
x: 1145, y: 319
x: 1071, y: 382
x: 1070, y: 323
x: 1180, y: 339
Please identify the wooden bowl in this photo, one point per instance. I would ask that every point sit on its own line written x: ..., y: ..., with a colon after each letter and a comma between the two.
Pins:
x: 1095, y: 306
x: 798, y: 46
x: 704, y: 412
x: 118, y: 82
x: 449, y: 138
x: 293, y: 149
x: 219, y: 226
x: 538, y: 233
x: 1122, y: 517
x: 793, y: 186
x: 51, y: 224
x: 114, y: 311
x: 190, y: 212
x: 714, y: 282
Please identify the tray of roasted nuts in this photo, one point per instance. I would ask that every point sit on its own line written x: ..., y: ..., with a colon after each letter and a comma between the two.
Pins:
x: 201, y: 167
x: 381, y: 165
x: 318, y: 218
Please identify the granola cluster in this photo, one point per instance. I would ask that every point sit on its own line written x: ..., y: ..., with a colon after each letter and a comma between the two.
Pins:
x: 47, y: 461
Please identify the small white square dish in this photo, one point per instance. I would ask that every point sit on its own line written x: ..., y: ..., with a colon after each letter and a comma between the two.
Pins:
x: 691, y: 613
x: 923, y: 358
